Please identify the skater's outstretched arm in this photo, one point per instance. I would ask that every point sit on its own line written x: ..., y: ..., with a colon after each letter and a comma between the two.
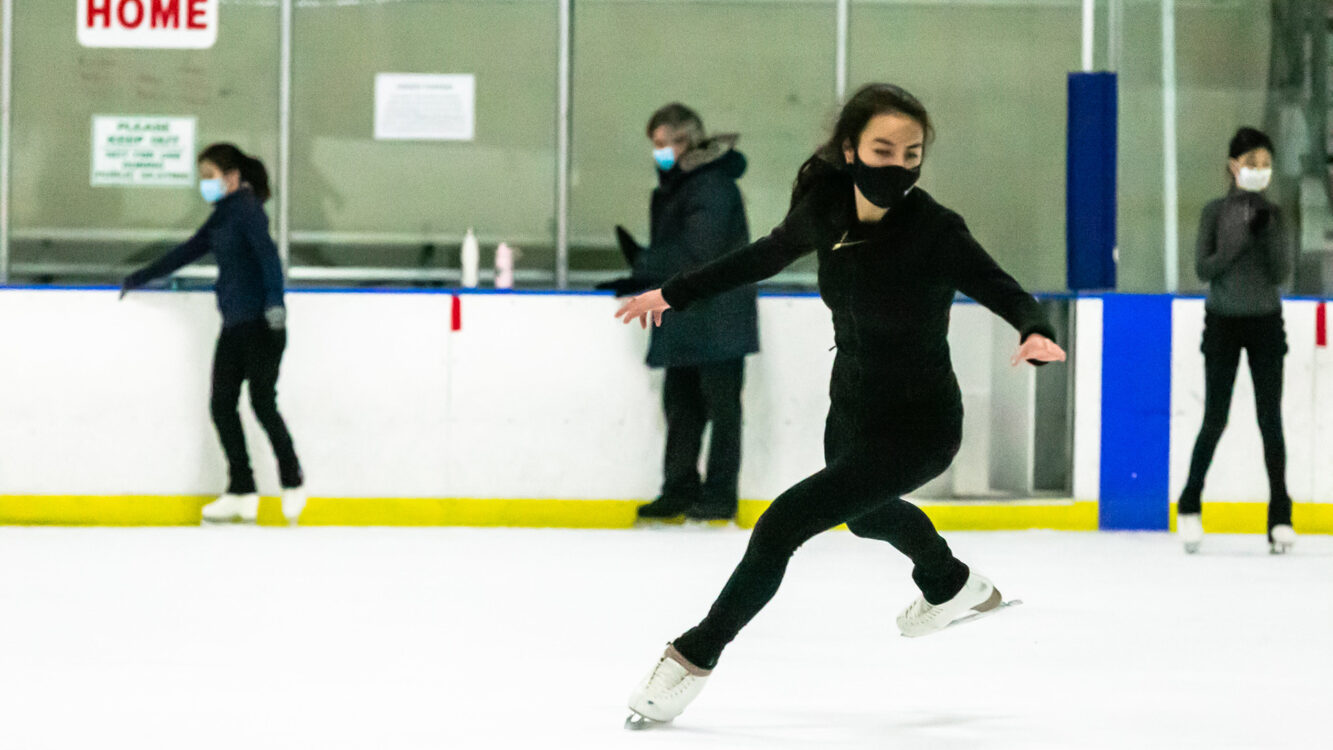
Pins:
x: 180, y: 256
x: 975, y: 273
x: 799, y: 234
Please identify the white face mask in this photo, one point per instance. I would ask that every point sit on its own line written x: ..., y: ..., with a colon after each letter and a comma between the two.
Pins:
x: 1254, y: 180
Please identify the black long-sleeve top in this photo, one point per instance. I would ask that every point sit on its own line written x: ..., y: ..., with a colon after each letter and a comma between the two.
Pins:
x: 890, y: 285
x: 250, y: 277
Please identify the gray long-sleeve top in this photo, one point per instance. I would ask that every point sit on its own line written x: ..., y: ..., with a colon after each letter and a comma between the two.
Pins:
x: 1242, y: 254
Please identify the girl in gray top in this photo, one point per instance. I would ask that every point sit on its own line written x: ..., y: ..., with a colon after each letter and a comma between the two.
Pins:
x: 1242, y: 254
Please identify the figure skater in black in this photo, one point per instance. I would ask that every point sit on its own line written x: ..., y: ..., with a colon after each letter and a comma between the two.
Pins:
x: 890, y: 261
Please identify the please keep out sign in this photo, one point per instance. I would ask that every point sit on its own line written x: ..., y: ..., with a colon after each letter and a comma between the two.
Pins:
x: 148, y: 24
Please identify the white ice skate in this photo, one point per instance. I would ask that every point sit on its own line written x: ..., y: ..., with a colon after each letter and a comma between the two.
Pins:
x: 1189, y: 527
x: 293, y: 502
x: 978, y: 598
x: 666, y: 691
x: 231, y: 508
x: 1281, y: 539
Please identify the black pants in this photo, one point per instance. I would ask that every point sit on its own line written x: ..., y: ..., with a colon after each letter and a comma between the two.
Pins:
x: 251, y: 352
x: 1265, y: 344
x: 870, y: 463
x: 693, y: 397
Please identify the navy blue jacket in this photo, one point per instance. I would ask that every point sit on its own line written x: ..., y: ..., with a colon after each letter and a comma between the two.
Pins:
x: 697, y: 217
x: 250, y: 277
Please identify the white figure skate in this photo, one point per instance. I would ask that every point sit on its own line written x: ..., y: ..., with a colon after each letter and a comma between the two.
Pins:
x: 666, y: 691
x: 978, y: 598
x: 1281, y: 539
x: 1189, y: 528
x: 233, y: 509
x: 293, y: 502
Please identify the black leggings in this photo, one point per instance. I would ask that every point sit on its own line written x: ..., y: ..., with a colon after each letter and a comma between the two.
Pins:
x: 250, y: 351
x: 870, y: 464
x: 693, y: 397
x: 1265, y: 344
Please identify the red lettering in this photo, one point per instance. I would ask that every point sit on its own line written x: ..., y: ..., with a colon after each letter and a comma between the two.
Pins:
x: 95, y: 10
x: 166, y: 14
x: 138, y: 17
x: 194, y: 14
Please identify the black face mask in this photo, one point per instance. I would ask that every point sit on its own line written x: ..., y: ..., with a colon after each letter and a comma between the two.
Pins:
x: 884, y: 186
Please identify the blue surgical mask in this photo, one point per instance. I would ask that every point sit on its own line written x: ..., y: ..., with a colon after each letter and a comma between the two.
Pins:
x: 665, y: 158
x: 212, y: 190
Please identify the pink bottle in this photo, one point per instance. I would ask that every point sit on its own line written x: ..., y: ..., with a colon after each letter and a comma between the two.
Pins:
x: 504, y: 267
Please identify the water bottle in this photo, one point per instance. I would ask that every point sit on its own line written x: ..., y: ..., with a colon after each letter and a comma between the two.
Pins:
x: 504, y: 267
x: 471, y: 259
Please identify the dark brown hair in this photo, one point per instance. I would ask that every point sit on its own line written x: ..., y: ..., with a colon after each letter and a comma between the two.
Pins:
x: 228, y: 157
x: 868, y: 101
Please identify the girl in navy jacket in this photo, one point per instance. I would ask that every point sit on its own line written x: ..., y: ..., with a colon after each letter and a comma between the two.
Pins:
x: 250, y: 298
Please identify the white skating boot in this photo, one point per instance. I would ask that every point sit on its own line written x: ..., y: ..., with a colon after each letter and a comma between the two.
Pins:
x: 666, y: 691
x: 233, y: 508
x: 1189, y: 528
x: 1281, y: 539
x: 293, y: 502
x: 978, y: 597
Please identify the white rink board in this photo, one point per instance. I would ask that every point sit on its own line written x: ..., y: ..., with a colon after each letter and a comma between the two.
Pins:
x: 1237, y: 473
x: 538, y: 396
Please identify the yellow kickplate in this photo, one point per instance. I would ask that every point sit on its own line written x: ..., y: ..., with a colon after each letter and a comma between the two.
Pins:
x: 1252, y: 518
x: 179, y: 510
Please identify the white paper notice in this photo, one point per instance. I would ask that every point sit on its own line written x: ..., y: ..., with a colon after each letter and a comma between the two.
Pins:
x: 422, y: 107
x: 137, y: 151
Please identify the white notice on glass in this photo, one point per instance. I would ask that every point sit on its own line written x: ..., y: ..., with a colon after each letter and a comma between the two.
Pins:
x: 138, y: 151
x: 423, y: 107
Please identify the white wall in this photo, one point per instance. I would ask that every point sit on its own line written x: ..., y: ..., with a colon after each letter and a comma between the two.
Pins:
x: 1087, y: 355
x: 537, y: 396
x: 1237, y: 472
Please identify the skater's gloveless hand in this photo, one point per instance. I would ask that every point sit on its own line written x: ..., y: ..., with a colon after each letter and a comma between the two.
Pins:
x: 644, y: 305
x: 1038, y: 349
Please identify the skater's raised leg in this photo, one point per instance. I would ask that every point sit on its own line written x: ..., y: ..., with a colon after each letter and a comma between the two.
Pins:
x: 861, y: 481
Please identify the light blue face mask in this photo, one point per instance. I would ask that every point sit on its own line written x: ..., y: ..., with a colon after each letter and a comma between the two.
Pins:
x: 212, y: 190
x: 665, y: 158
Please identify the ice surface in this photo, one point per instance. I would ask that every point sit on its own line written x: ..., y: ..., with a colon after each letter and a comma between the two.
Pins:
x: 497, y: 638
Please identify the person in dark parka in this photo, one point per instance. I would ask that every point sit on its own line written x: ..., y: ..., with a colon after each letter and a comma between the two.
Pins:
x: 697, y: 216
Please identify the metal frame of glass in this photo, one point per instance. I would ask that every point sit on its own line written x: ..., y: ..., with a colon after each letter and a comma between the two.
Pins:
x: 560, y: 276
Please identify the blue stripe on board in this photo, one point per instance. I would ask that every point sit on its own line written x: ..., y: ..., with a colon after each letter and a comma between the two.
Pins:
x: 1136, y: 411
x: 298, y: 289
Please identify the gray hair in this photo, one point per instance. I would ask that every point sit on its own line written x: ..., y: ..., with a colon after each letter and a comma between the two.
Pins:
x: 683, y: 122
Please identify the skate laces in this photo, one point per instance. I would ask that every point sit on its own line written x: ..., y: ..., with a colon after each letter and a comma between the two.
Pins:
x: 921, y: 610
x: 667, y: 680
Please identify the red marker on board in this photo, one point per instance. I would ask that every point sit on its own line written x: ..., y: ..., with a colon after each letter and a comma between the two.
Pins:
x: 456, y: 315
x: 1320, y: 326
